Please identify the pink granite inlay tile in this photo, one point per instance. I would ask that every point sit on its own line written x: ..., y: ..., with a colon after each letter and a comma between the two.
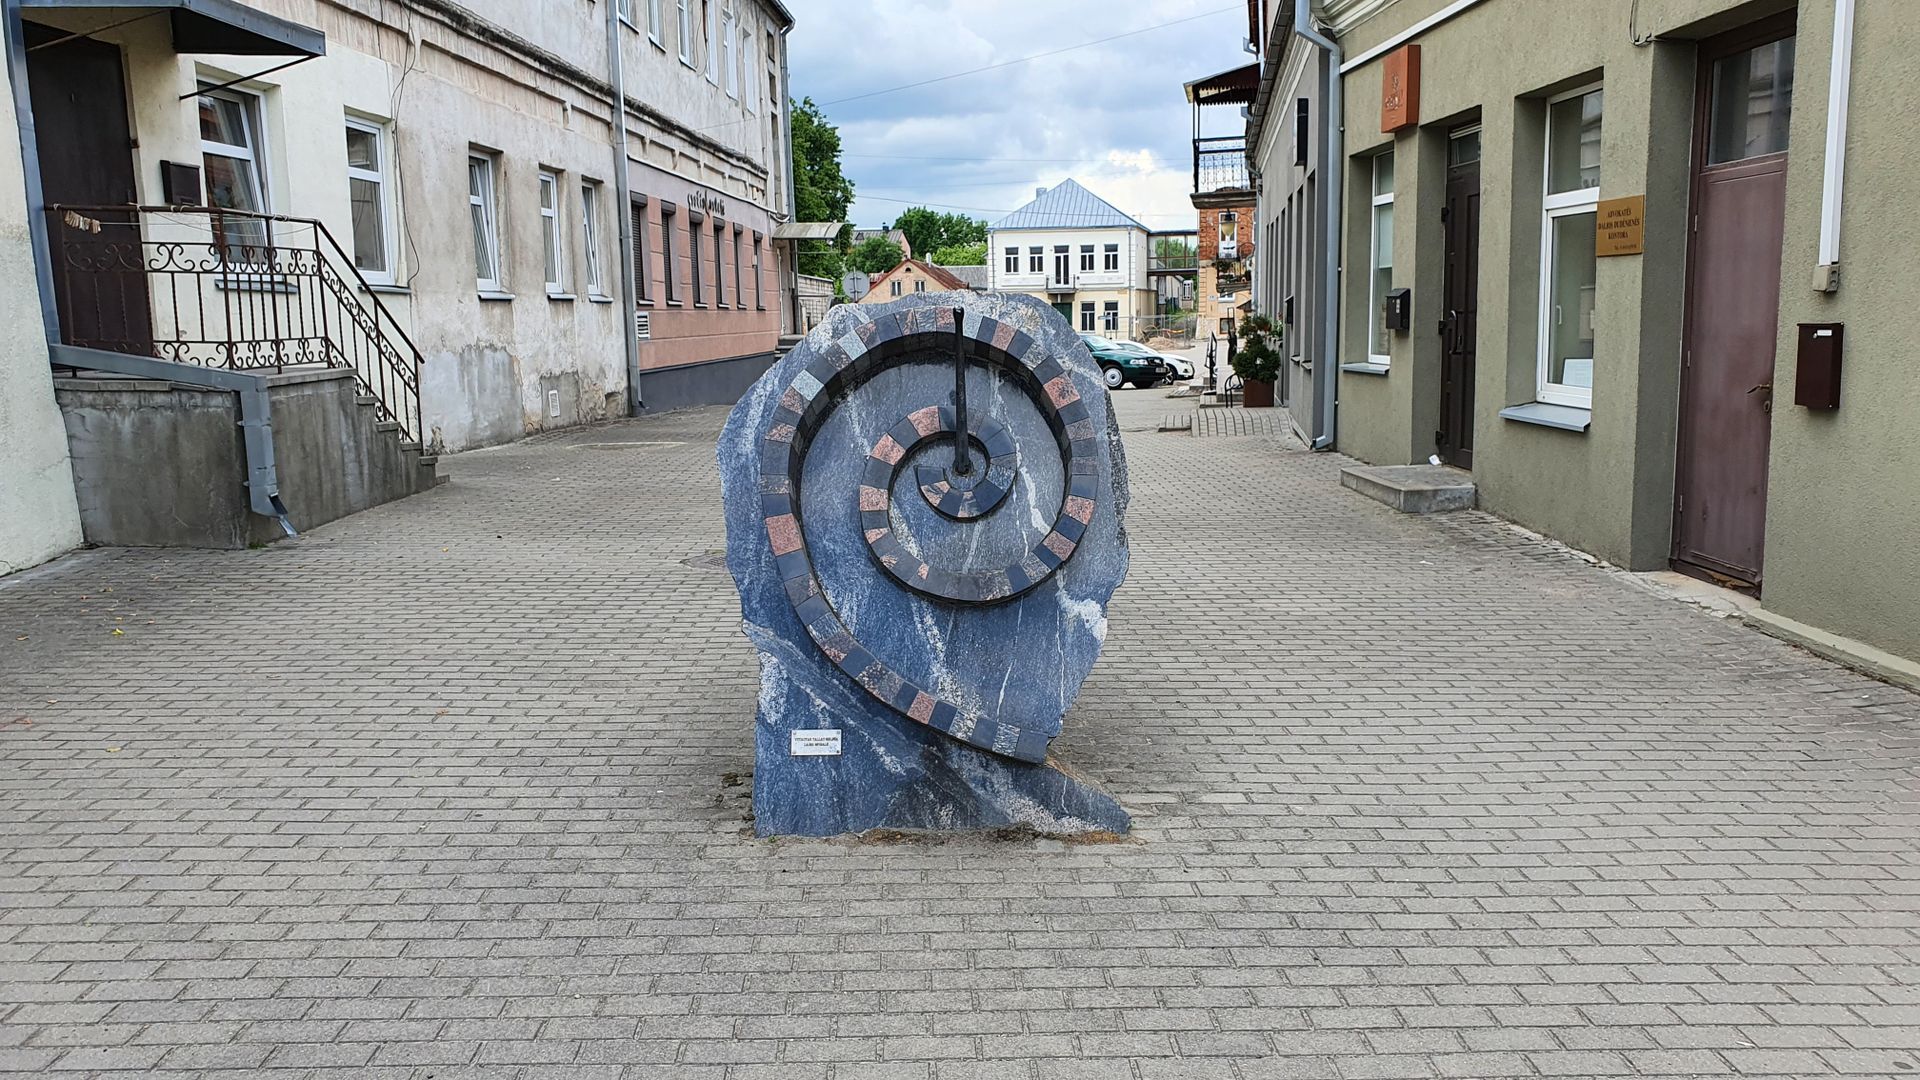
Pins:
x: 1059, y: 545
x: 782, y: 433
x: 1079, y: 509
x: 792, y: 400
x: 872, y: 498
x: 923, y: 571
x: 784, y: 533
x: 922, y: 707
x: 875, y: 534
x: 1061, y: 392
x: 926, y: 421
x: 888, y: 451
x: 1003, y: 337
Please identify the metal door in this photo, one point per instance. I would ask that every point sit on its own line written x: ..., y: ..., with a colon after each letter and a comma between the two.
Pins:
x: 85, y: 146
x: 1733, y: 304
x: 1460, y: 330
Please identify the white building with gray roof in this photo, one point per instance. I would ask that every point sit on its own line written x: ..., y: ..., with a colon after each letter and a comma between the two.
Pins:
x: 1074, y: 250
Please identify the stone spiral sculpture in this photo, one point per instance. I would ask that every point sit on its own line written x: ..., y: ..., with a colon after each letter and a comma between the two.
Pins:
x: 925, y: 509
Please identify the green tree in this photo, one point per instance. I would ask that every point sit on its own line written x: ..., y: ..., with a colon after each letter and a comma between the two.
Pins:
x: 876, y: 255
x: 961, y: 255
x: 821, y: 192
x: 929, y: 230
x: 1175, y: 252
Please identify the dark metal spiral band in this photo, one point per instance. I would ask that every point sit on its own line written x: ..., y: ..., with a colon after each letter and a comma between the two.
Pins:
x: 888, y: 340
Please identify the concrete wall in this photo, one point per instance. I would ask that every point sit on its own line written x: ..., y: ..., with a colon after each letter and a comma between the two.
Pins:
x: 1843, y: 499
x: 38, y: 515
x: 158, y: 464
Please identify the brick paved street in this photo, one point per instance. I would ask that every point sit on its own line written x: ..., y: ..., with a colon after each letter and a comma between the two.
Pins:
x: 455, y: 788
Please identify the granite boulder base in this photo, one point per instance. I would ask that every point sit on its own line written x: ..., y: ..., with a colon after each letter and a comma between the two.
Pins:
x: 924, y: 616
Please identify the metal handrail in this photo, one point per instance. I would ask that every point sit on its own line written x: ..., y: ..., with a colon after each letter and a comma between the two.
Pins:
x: 383, y: 332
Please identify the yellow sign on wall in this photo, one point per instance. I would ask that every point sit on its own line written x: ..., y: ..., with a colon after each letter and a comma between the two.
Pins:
x: 1621, y: 226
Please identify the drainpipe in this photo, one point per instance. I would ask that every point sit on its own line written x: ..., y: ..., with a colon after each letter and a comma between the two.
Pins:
x: 623, y: 195
x: 1838, y: 90
x: 1333, y: 164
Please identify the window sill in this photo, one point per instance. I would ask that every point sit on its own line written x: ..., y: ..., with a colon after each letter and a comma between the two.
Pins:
x: 596, y: 298
x: 699, y: 306
x: 655, y: 40
x: 386, y: 289
x: 495, y: 295
x: 676, y: 303
x: 565, y: 297
x: 1564, y: 417
x: 1369, y: 368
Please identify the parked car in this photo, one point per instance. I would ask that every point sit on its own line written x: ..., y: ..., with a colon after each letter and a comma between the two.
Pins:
x: 1120, y: 365
x: 1177, y: 367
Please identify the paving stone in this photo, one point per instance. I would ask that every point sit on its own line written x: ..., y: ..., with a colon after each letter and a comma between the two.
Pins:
x: 459, y: 785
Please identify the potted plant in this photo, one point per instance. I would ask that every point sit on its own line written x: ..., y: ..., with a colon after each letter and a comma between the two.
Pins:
x: 1257, y: 361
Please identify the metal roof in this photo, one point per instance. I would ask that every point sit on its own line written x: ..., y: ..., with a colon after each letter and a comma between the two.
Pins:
x: 973, y: 277
x: 806, y: 230
x: 1235, y: 87
x: 1067, y: 205
x: 209, y: 26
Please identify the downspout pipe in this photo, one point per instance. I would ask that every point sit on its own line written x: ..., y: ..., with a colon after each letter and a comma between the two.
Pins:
x: 623, y: 196
x: 1326, y: 384
x: 1839, y: 89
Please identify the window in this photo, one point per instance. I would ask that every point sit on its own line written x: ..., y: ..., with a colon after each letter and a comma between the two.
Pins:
x: 486, y: 217
x: 1062, y: 265
x: 552, y: 236
x: 1112, y: 253
x: 625, y: 8
x: 739, y: 292
x: 1110, y: 316
x: 669, y: 269
x: 653, y: 22
x: 231, y: 155
x: 1086, y: 316
x: 1036, y: 260
x: 367, y: 198
x: 694, y: 226
x: 1568, y: 268
x: 1013, y: 260
x: 1752, y: 103
x: 719, y: 265
x: 1229, y: 235
x: 711, y: 30
x: 1379, y: 341
x: 642, y: 240
x: 759, y: 301
x: 746, y: 65
x: 728, y: 57
x: 590, y: 238
x: 893, y: 287
x: 686, y: 31
x: 919, y: 284
x: 1086, y: 257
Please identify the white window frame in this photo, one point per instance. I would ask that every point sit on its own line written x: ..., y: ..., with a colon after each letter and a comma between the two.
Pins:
x: 1086, y: 258
x: 624, y: 8
x: 919, y: 284
x: 748, y: 95
x: 654, y: 19
x: 1552, y: 208
x: 739, y: 285
x: 1037, y: 260
x: 553, y: 234
x: 1374, y: 297
x: 590, y: 239
x: 1110, y: 316
x: 685, y: 12
x: 1110, y: 259
x: 708, y: 41
x: 1012, y: 263
x: 759, y: 298
x: 1087, y: 316
x: 730, y: 53
x: 378, y: 178
x: 242, y: 233
x: 893, y: 287
x: 487, y: 202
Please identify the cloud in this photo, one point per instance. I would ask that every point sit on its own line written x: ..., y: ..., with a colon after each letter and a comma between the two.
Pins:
x: 1112, y: 116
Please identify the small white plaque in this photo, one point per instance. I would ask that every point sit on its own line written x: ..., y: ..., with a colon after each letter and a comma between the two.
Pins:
x: 824, y: 742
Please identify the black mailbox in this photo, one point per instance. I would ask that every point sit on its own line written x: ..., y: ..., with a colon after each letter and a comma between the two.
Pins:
x: 1396, y: 311
x: 179, y: 184
x: 1816, y: 383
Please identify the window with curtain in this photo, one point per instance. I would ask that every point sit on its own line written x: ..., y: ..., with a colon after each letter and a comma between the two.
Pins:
x: 485, y: 217
x: 590, y: 238
x: 233, y: 158
x: 367, y: 199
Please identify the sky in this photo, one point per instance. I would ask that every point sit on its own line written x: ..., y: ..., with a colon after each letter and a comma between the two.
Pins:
x: 1112, y: 116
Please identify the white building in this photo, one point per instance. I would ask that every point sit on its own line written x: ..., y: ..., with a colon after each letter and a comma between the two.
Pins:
x: 1072, y: 249
x: 424, y: 193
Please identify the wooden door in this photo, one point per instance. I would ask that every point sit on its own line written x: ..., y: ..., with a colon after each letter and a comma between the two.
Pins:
x: 1733, y: 306
x: 1460, y: 330
x: 78, y: 91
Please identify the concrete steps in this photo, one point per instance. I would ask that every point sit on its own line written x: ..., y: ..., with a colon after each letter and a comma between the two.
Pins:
x: 1413, y: 489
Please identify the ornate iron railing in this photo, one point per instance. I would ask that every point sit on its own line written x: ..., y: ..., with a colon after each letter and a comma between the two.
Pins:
x: 228, y: 289
x: 1220, y: 164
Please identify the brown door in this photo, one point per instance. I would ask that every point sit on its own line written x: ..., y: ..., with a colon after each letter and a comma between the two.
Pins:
x: 86, y: 159
x: 1460, y: 329
x: 1733, y: 304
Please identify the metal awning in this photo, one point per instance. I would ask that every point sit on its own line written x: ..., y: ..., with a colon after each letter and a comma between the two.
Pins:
x: 204, y: 26
x: 1235, y: 87
x: 807, y: 230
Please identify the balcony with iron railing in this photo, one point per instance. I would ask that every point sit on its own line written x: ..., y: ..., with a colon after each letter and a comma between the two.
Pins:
x: 228, y: 289
x: 1220, y: 164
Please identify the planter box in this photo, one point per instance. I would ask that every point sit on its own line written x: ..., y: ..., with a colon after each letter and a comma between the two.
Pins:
x: 1257, y: 395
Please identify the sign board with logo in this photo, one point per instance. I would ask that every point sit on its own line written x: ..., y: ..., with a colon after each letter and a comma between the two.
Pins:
x: 1620, y: 226
x: 1400, y: 89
